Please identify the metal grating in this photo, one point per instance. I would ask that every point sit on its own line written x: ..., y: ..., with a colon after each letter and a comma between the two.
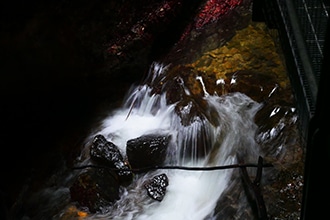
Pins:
x: 304, y: 31
x: 302, y: 25
x: 313, y: 18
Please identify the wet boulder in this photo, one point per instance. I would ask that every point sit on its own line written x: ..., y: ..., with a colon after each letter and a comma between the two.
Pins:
x: 106, y: 153
x: 95, y: 189
x: 147, y: 150
x: 257, y: 85
x: 156, y: 187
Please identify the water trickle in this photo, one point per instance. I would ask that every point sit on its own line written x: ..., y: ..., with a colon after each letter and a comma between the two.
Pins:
x: 190, y: 194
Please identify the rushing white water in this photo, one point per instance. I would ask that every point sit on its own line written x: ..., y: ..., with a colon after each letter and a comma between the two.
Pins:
x: 190, y: 194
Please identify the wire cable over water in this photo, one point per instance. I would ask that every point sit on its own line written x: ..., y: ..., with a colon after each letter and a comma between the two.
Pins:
x: 145, y: 169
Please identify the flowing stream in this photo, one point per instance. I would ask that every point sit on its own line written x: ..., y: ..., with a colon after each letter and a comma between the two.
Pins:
x: 190, y: 194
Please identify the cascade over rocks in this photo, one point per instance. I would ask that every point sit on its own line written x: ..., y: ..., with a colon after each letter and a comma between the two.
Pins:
x: 213, y: 56
x: 97, y: 188
x: 147, y: 150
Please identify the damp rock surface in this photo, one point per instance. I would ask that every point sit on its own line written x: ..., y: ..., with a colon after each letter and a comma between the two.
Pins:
x: 106, y: 153
x: 156, y: 187
x: 147, y: 150
x: 95, y: 189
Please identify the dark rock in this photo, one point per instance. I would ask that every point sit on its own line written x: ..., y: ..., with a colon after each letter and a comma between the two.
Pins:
x: 147, y: 150
x: 259, y: 86
x: 156, y: 187
x: 106, y: 153
x: 95, y: 189
x: 214, y: 24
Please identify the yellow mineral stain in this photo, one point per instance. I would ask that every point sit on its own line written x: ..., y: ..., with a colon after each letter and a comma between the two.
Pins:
x: 252, y: 48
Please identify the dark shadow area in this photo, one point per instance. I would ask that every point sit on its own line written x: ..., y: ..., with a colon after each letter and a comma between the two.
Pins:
x: 56, y: 78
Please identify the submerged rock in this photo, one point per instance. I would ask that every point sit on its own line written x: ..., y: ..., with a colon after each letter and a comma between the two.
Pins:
x: 95, y: 189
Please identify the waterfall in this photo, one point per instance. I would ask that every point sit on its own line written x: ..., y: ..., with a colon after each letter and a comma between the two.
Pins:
x: 190, y: 195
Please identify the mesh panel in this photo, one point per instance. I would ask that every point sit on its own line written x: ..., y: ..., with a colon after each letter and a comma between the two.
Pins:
x: 313, y: 18
x: 302, y: 26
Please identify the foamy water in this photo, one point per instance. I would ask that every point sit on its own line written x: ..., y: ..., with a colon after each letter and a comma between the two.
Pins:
x: 190, y: 194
